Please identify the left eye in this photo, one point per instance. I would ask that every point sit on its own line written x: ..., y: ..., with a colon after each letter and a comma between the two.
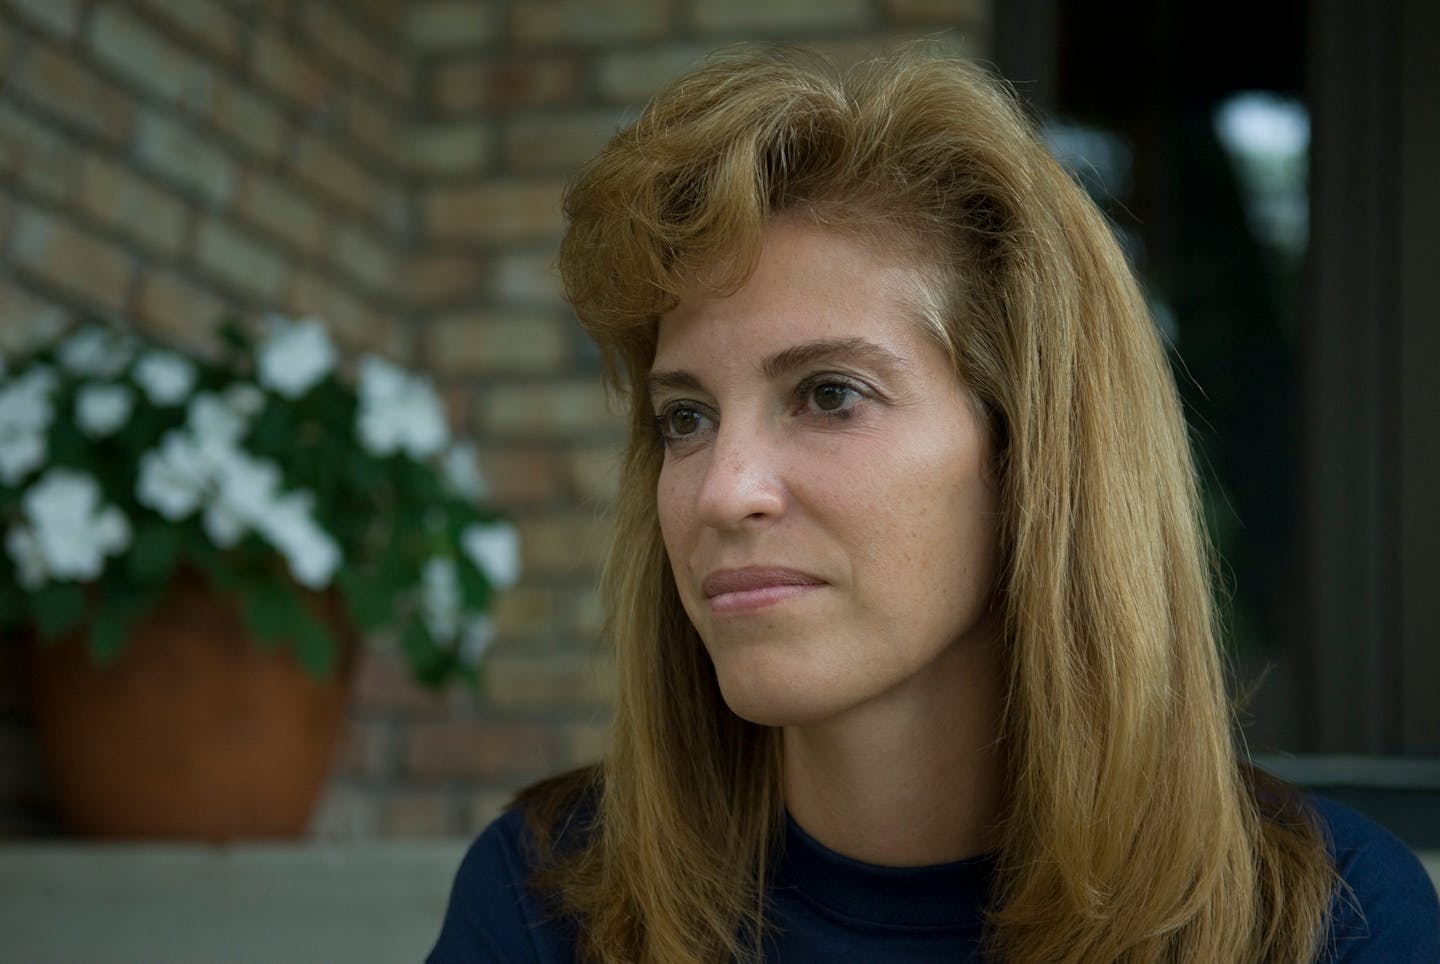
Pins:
x: 830, y: 396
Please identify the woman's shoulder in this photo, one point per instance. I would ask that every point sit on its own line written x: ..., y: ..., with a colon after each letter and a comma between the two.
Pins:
x: 1386, y: 907
x: 495, y: 913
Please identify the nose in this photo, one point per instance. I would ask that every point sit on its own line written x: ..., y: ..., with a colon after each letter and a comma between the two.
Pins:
x: 743, y: 481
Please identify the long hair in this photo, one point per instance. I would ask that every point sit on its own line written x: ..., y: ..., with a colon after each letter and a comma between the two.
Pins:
x: 1132, y: 831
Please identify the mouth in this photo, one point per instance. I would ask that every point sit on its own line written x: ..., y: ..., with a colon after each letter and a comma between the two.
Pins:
x: 755, y: 587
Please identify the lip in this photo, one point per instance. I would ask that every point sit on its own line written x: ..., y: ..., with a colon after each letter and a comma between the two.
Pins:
x: 755, y: 587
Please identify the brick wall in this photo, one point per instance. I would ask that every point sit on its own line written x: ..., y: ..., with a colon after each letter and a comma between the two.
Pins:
x: 394, y: 167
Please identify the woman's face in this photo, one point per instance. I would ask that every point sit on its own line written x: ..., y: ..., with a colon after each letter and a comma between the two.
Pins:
x: 826, y: 498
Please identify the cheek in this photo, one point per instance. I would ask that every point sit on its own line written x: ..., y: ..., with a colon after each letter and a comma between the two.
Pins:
x: 673, y: 510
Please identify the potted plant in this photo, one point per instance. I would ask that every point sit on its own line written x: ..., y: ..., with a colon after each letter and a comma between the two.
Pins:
x: 156, y: 505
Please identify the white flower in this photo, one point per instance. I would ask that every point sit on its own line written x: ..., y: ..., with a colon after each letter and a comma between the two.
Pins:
x: 165, y: 377
x: 24, y: 548
x: 476, y: 635
x: 97, y: 352
x: 294, y: 355
x: 495, y: 550
x: 244, y: 493
x: 398, y: 411
x: 26, y: 412
x: 172, y: 478
x: 461, y: 470
x: 75, y: 532
x: 20, y: 453
x: 290, y: 526
x: 215, y: 425
x: 440, y: 598
x: 101, y: 409
x: 244, y: 400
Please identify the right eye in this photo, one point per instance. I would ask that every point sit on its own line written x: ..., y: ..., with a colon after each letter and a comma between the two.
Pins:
x: 679, y: 421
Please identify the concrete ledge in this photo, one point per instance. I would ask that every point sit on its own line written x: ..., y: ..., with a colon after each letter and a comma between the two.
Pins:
x: 166, y: 904
x: 380, y: 902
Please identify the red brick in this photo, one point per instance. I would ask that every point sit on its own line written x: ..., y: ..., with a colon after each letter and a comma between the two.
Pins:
x: 527, y: 612
x: 450, y: 149
x: 281, y: 212
x: 467, y: 86
x: 523, y: 477
x: 584, y: 743
x: 60, y: 17
x: 571, y: 408
x: 591, y: 22
x: 345, y: 44
x: 418, y: 815
x: 333, y: 172
x: 480, y: 343
x: 442, y: 278
x: 527, y: 277
x: 446, y: 25
x: 180, y: 312
x: 557, y: 142
x: 470, y: 749
x: 563, y: 545
x: 251, y: 119
x: 940, y: 13
x: 206, y: 22
x: 289, y: 72
x: 383, y: 682
x: 71, y: 258
x: 594, y: 474
x: 132, y: 205
x: 366, y: 258
x: 241, y: 261
x: 497, y: 211
x: 587, y: 614
x: 38, y: 156
x: 389, y: 14
x: 368, y: 749
x: 634, y: 76
x: 185, y: 158
x: 26, y: 322
x: 546, y: 682
x: 136, y: 51
x: 76, y: 93
x: 481, y: 807
x: 350, y: 318
x: 741, y: 16
x: 345, y: 813
x: 372, y: 127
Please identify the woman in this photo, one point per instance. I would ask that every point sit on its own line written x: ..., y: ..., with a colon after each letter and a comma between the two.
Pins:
x: 908, y: 594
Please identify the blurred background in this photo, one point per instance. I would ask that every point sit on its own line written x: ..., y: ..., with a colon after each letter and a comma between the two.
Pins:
x: 394, y: 168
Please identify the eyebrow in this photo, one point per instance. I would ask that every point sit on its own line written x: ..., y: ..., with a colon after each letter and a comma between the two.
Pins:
x: 788, y: 359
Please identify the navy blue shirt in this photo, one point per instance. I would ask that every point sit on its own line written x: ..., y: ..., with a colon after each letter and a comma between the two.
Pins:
x: 830, y: 908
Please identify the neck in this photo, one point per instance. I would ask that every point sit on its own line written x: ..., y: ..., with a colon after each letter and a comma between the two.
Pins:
x: 911, y: 778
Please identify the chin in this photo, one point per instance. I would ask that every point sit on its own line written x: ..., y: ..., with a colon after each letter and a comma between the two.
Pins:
x: 767, y: 702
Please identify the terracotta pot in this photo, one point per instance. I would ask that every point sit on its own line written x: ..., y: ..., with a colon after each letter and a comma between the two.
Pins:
x: 195, y: 732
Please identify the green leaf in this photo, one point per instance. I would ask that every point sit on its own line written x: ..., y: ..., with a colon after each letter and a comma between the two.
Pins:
x: 111, y: 629
x: 427, y: 662
x: 12, y: 604
x: 58, y: 608
x: 270, y: 612
x: 369, y: 603
x: 277, y: 616
x: 315, y: 646
x: 154, y: 553
x: 234, y: 337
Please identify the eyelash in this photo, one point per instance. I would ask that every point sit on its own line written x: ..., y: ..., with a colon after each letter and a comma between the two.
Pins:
x: 803, y: 396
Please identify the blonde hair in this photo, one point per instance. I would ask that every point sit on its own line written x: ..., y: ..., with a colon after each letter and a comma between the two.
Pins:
x: 1132, y: 831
